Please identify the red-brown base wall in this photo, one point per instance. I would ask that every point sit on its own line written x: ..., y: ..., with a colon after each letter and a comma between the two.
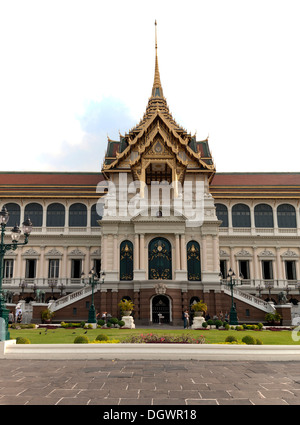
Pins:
x: 108, y: 302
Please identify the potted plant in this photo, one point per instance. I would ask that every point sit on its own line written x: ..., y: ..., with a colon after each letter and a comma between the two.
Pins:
x: 47, y: 316
x: 273, y: 319
x: 126, y: 307
x: 199, y: 308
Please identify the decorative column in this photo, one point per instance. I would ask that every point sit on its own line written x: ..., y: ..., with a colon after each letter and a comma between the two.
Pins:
x: 297, y: 269
x: 229, y: 218
x: 116, y: 252
x: 232, y: 260
x: 87, y: 266
x: 278, y: 265
x: 88, y: 218
x: 252, y: 218
x: 19, y: 262
x: 67, y: 219
x: 44, y: 223
x: 183, y: 253
x: 104, y: 253
x: 41, y: 263
x: 216, y: 263
x: 142, y: 251
x: 275, y: 219
x: 136, y: 261
x: 255, y: 267
x: 177, y: 252
x: 204, y: 254
x: 22, y: 217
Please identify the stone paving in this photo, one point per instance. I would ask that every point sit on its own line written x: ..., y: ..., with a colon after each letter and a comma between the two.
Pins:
x: 109, y: 382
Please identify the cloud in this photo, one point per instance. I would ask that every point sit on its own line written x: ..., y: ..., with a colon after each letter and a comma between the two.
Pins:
x: 99, y: 120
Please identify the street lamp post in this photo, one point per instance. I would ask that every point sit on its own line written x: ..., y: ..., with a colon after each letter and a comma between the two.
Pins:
x: 34, y: 287
x: 231, y: 282
x: 259, y: 289
x: 15, y: 235
x: 93, y: 280
x: 62, y: 287
x: 23, y: 285
x: 52, y: 284
x: 269, y: 286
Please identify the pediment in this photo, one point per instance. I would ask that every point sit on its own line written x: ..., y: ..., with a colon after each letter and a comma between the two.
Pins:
x: 158, y: 149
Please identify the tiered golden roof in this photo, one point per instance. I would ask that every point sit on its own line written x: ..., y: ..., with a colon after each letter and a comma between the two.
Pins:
x: 158, y: 122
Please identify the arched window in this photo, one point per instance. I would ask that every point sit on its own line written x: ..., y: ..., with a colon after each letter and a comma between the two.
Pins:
x: 222, y: 214
x: 77, y: 215
x: 193, y: 261
x: 126, y: 260
x: 286, y: 216
x: 241, y: 216
x: 160, y: 259
x: 35, y: 212
x: 55, y: 215
x: 263, y: 215
x: 94, y: 216
x: 194, y: 300
x: 126, y: 298
x: 14, y: 212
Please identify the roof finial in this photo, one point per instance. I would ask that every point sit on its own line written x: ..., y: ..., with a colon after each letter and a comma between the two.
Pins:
x: 157, y: 88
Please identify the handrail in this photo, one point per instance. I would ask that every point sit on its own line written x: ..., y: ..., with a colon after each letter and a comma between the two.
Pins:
x: 70, y: 298
x: 251, y: 299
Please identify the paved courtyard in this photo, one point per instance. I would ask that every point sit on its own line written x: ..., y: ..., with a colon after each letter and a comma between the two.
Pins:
x: 109, y: 382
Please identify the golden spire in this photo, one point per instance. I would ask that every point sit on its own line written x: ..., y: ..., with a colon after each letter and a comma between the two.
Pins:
x: 157, y: 88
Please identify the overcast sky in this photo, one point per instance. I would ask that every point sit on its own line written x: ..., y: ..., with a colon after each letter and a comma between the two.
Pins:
x: 74, y: 72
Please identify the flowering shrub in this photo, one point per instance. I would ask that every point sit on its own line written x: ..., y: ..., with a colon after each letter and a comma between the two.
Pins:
x: 110, y: 341
x: 163, y: 339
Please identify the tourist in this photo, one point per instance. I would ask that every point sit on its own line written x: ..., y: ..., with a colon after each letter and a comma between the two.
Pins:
x: 19, y: 318
x: 207, y: 317
x: 11, y: 317
x: 221, y: 316
x: 186, y: 318
x: 226, y: 317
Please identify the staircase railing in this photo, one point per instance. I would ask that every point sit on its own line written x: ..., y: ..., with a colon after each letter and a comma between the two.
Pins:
x: 70, y: 298
x: 251, y: 299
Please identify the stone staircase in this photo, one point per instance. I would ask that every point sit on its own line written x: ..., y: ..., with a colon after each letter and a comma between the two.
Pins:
x: 71, y: 298
x: 251, y: 300
x: 240, y: 295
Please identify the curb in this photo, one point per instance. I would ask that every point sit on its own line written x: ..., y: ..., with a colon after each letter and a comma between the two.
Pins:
x: 215, y: 352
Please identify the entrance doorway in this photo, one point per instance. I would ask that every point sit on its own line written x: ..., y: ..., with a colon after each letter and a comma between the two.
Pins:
x: 160, y: 305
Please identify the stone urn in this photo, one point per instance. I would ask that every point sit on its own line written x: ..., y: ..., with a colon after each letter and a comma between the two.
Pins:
x: 197, y: 320
x: 126, y: 313
x: 128, y: 320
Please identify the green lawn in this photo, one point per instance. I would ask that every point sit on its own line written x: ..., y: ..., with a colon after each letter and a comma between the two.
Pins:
x: 67, y: 336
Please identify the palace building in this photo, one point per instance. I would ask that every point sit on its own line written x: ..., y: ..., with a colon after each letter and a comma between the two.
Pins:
x: 160, y: 226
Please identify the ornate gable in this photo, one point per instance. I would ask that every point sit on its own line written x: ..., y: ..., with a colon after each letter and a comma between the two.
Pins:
x: 155, y: 139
